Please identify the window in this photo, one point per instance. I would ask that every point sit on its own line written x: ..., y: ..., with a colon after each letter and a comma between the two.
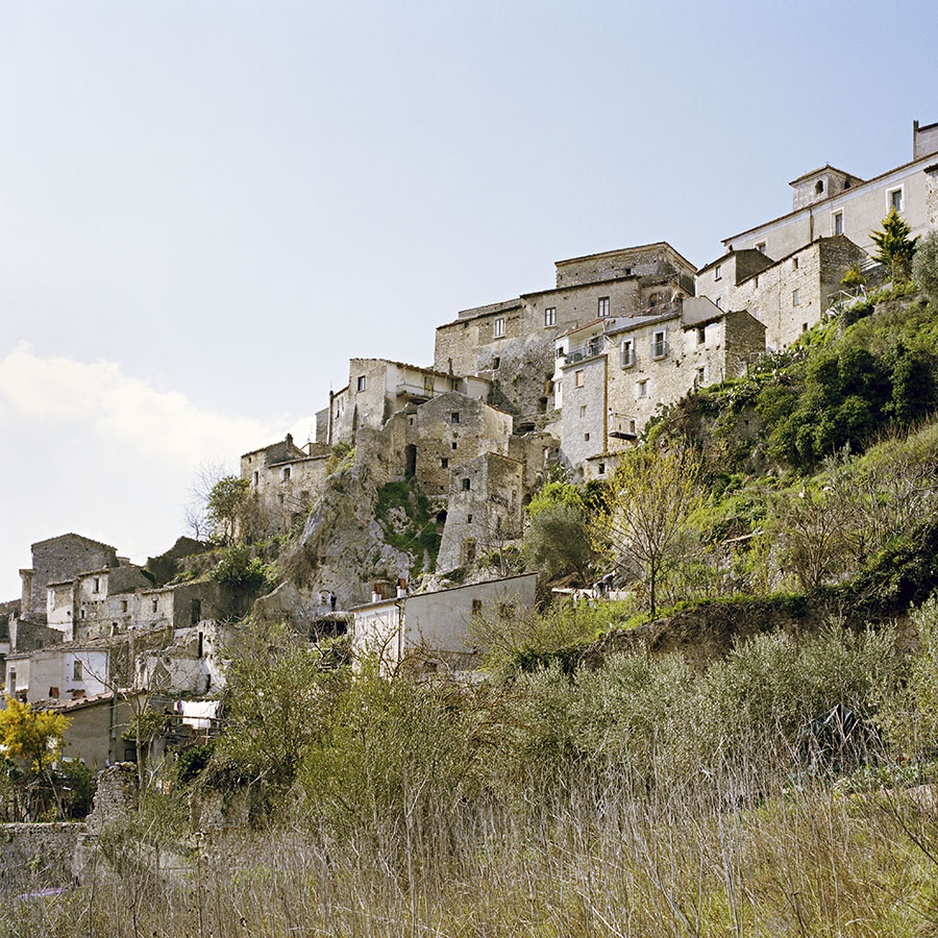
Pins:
x: 578, y: 379
x: 718, y: 302
x: 632, y: 427
x: 255, y: 477
x: 583, y: 410
x: 837, y: 223
x: 602, y: 307
x: 498, y: 329
x: 601, y: 469
x: 444, y: 462
x: 154, y: 605
x: 455, y: 445
x: 550, y: 316
x: 659, y: 344
x: 819, y: 187
x: 466, y: 484
x: 794, y: 263
x: 796, y: 298
x: 586, y: 438
x: 361, y: 383
x: 701, y: 335
x: 468, y: 519
x: 561, y: 352
x: 76, y: 670
x: 285, y: 474
x: 81, y: 613
x: 895, y: 199
x: 496, y: 361
x: 718, y: 272
x: 642, y: 388
x: 760, y: 247
x: 627, y: 354
x: 123, y: 605
x: 755, y: 280
x: 701, y: 378
x: 96, y: 584
x: 454, y: 417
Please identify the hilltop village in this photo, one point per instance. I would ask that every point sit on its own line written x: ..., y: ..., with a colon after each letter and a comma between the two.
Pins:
x: 403, y: 508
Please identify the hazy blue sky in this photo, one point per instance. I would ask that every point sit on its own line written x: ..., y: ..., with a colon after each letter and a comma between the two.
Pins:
x: 207, y: 207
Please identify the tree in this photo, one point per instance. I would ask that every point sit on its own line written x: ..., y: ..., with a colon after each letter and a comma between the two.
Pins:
x: 925, y: 265
x: 35, y: 737
x: 227, y: 504
x: 557, y: 542
x: 643, y: 525
x: 278, y: 696
x: 894, y: 247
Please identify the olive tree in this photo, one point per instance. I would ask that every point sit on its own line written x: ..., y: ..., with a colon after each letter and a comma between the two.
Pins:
x: 642, y: 526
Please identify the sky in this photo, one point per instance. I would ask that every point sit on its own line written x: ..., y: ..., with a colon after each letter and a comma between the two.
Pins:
x: 207, y: 208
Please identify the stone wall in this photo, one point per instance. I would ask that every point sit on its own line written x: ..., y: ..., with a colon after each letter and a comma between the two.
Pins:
x: 483, y: 510
x: 451, y: 430
x: 791, y: 296
x: 34, y: 857
x: 63, y: 558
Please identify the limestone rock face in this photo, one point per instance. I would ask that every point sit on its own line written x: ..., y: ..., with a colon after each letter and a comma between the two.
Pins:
x: 342, y: 549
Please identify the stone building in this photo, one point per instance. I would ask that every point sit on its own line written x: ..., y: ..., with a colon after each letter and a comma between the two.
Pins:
x: 789, y: 295
x: 70, y: 670
x: 284, y: 481
x: 483, y: 512
x: 512, y: 343
x: 379, y: 388
x: 99, y: 602
x: 58, y: 559
x: 827, y: 202
x: 613, y: 375
x: 449, y: 431
x: 435, y: 627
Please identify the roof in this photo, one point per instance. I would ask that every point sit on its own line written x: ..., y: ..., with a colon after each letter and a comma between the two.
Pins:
x: 638, y: 247
x: 449, y: 589
x: 839, y: 195
x: 79, y: 703
x: 825, y: 168
x: 420, y: 368
x: 80, y: 537
x: 480, y: 312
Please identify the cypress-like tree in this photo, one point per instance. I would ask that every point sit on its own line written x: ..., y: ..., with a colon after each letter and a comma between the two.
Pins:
x: 894, y: 247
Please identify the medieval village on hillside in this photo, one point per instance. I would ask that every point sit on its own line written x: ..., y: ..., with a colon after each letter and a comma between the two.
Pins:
x: 563, y: 379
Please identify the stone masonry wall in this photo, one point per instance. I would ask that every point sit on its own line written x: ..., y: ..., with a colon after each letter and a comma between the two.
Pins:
x: 37, y: 856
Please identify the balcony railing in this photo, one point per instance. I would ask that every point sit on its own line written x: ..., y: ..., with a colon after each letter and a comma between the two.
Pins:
x: 586, y: 351
x: 626, y: 356
x: 659, y: 348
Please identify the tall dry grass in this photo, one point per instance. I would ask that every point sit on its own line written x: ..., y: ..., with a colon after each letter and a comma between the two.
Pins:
x: 634, y: 800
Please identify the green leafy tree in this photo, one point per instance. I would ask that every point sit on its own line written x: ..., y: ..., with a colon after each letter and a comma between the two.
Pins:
x: 894, y: 246
x: 643, y: 527
x: 279, y: 692
x: 227, y: 505
x: 925, y: 265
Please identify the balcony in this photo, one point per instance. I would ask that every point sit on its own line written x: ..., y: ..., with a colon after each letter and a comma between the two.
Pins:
x: 622, y: 427
x: 626, y: 356
x: 591, y: 350
x: 659, y: 348
x: 415, y: 392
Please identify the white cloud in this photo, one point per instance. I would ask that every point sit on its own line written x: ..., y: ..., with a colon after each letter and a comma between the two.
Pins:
x: 95, y: 450
x: 113, y: 407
